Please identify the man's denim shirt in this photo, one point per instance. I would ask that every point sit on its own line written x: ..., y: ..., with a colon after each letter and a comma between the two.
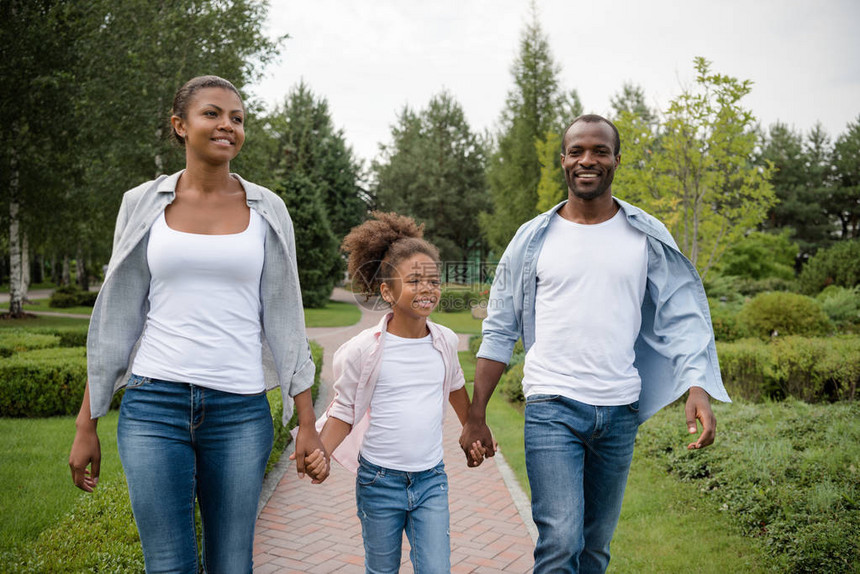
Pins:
x: 675, y: 349
x: 119, y: 314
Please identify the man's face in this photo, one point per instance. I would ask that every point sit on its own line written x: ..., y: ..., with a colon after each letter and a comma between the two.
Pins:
x: 589, y: 159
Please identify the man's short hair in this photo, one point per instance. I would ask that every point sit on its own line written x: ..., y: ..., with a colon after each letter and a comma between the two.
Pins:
x: 593, y: 119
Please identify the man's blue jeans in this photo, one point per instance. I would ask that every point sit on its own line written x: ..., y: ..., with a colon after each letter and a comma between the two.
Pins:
x: 390, y: 501
x: 577, y: 458
x: 177, y: 441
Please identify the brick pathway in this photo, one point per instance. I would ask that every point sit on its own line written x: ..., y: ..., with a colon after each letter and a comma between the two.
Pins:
x: 304, y: 528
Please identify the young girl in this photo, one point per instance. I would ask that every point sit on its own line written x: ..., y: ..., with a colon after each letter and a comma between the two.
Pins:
x: 203, y: 275
x: 391, y: 382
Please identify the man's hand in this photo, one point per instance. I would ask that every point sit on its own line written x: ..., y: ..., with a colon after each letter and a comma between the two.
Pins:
x: 699, y: 408
x: 476, y: 431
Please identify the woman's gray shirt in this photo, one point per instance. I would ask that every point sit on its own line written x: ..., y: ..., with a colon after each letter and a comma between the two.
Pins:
x: 119, y: 314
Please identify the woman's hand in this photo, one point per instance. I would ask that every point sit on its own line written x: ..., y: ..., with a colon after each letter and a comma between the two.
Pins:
x: 86, y: 457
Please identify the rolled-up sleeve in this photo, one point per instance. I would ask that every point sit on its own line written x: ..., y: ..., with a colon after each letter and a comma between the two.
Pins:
x: 503, y: 325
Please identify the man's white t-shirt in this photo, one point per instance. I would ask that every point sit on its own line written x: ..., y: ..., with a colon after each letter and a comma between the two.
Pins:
x: 588, y: 310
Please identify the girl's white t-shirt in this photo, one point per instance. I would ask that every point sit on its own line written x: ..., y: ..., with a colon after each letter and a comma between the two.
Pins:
x: 204, y: 325
x: 588, y: 310
x: 406, y: 410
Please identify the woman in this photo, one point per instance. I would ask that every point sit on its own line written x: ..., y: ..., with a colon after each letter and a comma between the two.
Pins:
x: 203, y: 274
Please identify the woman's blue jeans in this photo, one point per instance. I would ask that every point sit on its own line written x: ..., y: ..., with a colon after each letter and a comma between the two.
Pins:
x: 391, y: 501
x: 577, y: 458
x: 179, y: 441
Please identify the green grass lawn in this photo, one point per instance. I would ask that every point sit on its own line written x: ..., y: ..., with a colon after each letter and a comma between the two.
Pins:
x: 334, y: 314
x: 38, y: 487
x: 43, y: 321
x: 459, y: 322
x: 42, y: 305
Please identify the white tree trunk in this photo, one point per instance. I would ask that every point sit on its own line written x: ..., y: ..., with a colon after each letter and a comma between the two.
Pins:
x: 66, y: 278
x: 15, y: 298
x: 25, y: 267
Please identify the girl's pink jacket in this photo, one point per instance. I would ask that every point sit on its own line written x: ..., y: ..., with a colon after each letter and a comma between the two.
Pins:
x: 356, y: 370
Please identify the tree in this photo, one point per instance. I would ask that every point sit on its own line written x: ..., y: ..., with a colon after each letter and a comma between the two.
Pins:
x: 535, y: 106
x: 631, y: 100
x: 317, y: 255
x: 303, y: 140
x: 705, y: 162
x: 761, y: 255
x: 35, y: 160
x: 434, y: 171
x: 135, y: 55
x: 843, y: 202
x: 796, y: 177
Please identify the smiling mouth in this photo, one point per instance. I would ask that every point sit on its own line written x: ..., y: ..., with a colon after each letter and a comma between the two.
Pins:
x: 424, y: 303
x: 222, y: 141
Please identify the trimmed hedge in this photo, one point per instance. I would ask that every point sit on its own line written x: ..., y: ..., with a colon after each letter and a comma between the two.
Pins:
x: 15, y: 341
x: 809, y: 369
x: 43, y: 383
x: 71, y: 296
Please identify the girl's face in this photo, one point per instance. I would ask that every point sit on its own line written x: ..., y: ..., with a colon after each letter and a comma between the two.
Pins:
x: 213, y: 127
x: 414, y: 290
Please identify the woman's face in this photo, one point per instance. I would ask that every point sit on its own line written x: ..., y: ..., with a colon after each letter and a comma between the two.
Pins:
x: 213, y: 127
x: 415, y: 289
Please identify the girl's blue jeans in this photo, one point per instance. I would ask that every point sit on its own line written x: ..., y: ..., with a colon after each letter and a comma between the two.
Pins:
x: 577, y: 458
x: 391, y: 501
x: 179, y: 441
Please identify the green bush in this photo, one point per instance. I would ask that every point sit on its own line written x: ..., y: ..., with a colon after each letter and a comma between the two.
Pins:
x: 475, y: 343
x: 71, y: 296
x: 782, y: 314
x: 809, y: 369
x: 842, y: 305
x: 838, y: 265
x: 17, y: 340
x: 785, y: 472
x: 730, y: 289
x: 99, y: 535
x: 455, y: 299
x: 511, y: 384
x: 724, y: 318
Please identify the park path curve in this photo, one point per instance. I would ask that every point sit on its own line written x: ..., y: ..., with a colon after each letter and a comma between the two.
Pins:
x: 304, y: 528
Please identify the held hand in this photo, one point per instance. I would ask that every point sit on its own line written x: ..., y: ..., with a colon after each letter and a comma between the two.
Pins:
x: 316, y: 466
x: 699, y: 408
x: 86, y: 452
x: 476, y: 433
x: 308, y: 441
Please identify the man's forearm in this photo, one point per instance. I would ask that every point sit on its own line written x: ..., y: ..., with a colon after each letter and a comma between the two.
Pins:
x: 487, y: 375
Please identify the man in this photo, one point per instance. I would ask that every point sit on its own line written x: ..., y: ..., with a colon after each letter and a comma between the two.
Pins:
x: 615, y: 324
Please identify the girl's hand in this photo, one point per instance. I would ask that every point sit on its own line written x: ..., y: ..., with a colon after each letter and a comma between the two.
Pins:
x: 476, y: 454
x: 316, y: 466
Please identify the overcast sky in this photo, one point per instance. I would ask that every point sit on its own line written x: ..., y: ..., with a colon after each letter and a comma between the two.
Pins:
x: 369, y: 58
